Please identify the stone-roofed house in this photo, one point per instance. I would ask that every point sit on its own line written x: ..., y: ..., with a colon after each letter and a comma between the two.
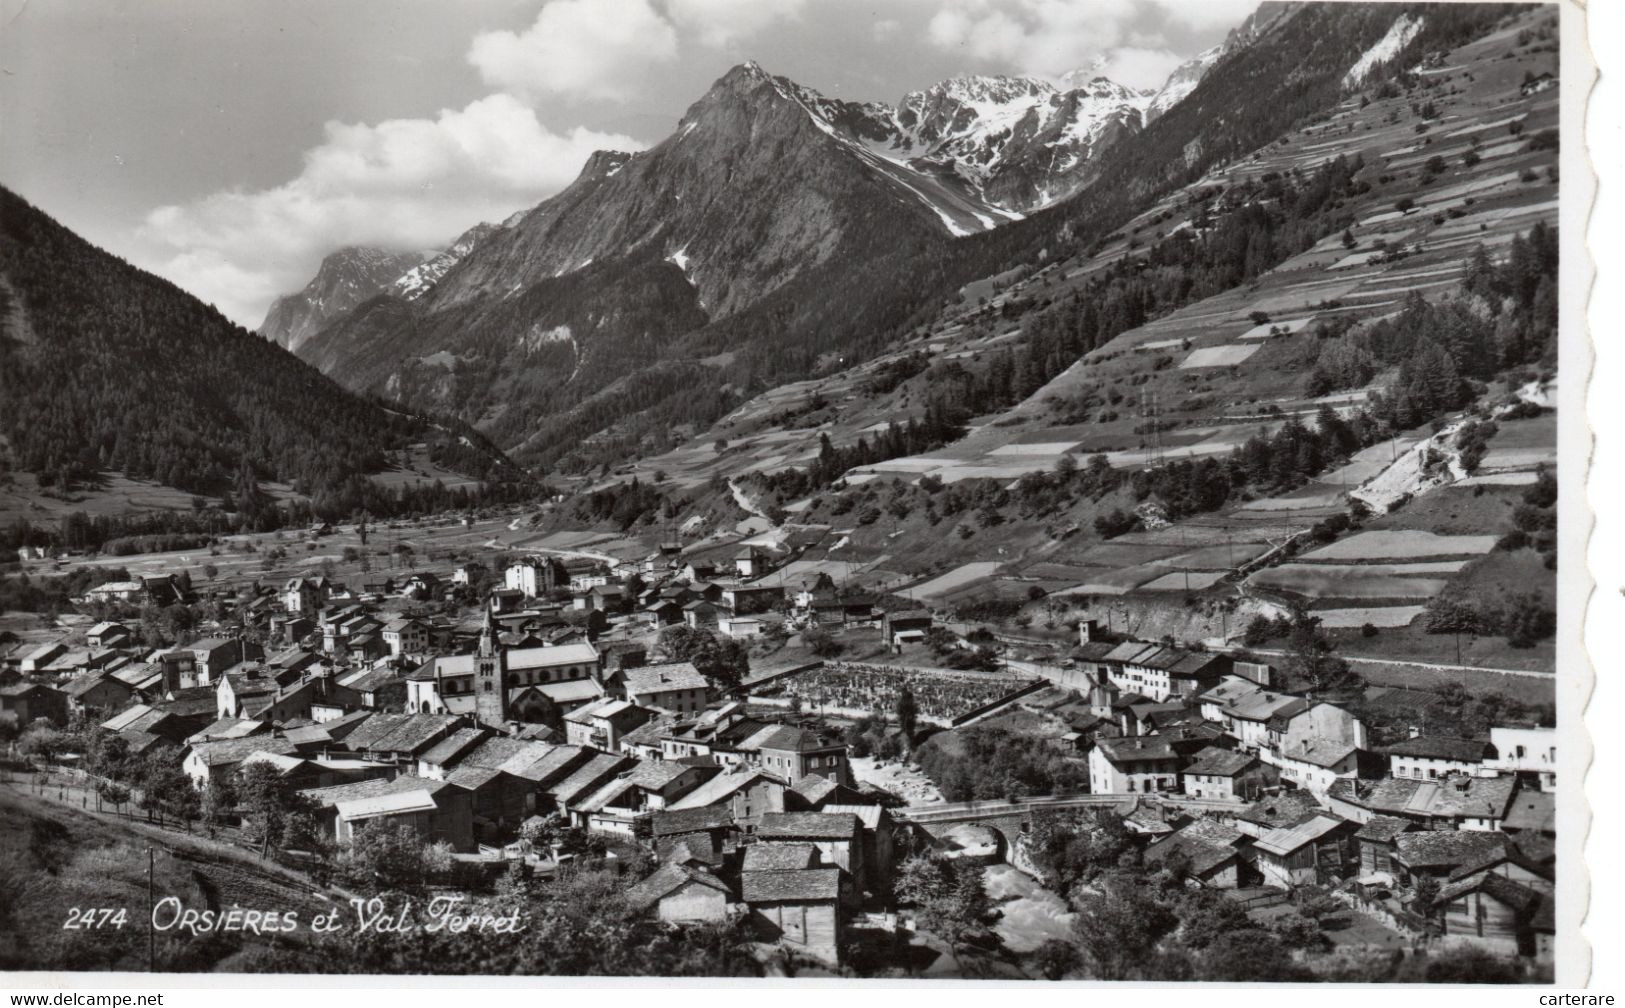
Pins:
x: 1286, y: 808
x: 585, y: 779
x: 793, y: 753
x: 800, y: 908
x: 437, y: 761
x: 837, y: 836
x: 681, y: 893
x: 1133, y: 765
x: 1377, y: 841
x: 208, y: 762
x: 1430, y: 757
x: 1209, y: 851
x: 1313, y: 764
x: 745, y: 795
x: 603, y: 723
x: 1221, y: 773
x: 780, y: 857
x: 452, y: 819
x: 812, y: 793
x: 648, y: 786
x: 400, y: 738
x: 1467, y: 803
x: 24, y: 703
x: 1315, y: 851
x: 677, y: 687
x: 1437, y: 853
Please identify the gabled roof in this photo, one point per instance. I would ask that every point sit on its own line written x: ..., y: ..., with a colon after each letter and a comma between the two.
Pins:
x: 1443, y: 747
x: 410, y: 733
x: 799, y: 825
x: 386, y: 804
x: 1216, y: 762
x: 779, y: 856
x: 694, y: 819
x: 1284, y: 840
x: 1383, y: 829
x: 667, y: 879
x: 225, y: 752
x: 1532, y: 810
x: 719, y: 789
x: 1318, y: 752
x: 662, y: 678
x: 587, y: 778
x: 454, y: 746
x: 807, y: 885
x: 1445, y: 848
x: 1285, y: 809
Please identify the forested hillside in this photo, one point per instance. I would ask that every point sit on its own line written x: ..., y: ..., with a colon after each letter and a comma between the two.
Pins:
x: 109, y: 367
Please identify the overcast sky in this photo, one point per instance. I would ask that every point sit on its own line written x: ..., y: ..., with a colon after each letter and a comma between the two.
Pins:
x: 230, y: 145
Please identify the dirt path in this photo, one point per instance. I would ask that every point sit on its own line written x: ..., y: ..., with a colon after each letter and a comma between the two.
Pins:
x: 1435, y: 666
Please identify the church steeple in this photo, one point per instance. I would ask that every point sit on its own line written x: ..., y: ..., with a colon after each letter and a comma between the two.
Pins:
x: 490, y: 680
x: 488, y: 636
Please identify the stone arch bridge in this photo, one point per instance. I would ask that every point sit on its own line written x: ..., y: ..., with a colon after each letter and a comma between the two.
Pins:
x: 1010, y: 819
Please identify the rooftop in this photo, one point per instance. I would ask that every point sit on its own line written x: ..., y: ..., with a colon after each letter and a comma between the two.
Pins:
x: 819, y: 825
x: 806, y: 885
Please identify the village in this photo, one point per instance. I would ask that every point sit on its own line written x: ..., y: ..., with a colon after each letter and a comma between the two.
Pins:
x: 742, y: 742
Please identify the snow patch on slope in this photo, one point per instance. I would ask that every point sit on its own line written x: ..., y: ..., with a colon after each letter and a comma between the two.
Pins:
x: 1399, y: 36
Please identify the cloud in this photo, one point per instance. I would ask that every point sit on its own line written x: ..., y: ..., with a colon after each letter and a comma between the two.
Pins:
x: 720, y: 23
x: 1138, y: 67
x: 1041, y: 37
x: 578, y: 48
x: 400, y: 184
x: 1202, y: 15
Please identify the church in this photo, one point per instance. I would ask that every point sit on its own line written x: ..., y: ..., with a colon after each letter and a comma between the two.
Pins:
x: 498, y: 685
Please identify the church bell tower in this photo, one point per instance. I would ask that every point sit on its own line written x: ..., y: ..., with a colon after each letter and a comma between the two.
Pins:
x: 490, y: 689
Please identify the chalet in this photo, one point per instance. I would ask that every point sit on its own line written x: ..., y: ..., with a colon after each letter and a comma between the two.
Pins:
x: 793, y: 753
x: 1313, y: 764
x: 678, y: 687
x: 649, y: 786
x: 1220, y: 773
x: 799, y: 909
x: 838, y: 837
x: 42, y: 657
x: 1287, y: 808
x: 400, y: 738
x: 569, y: 790
x: 1466, y: 803
x: 1159, y: 671
x: 703, y: 830
x: 814, y: 794
x: 25, y: 703
x: 1313, y: 852
x: 97, y: 691
x: 701, y: 614
x: 1430, y: 757
x: 603, y: 723
x: 210, y: 762
x: 750, y: 600
x: 1491, y: 912
x: 1437, y: 853
x: 906, y: 627
x: 1208, y: 851
x: 681, y: 894
x: 745, y: 795
x: 876, y: 828
x: 404, y: 636
x: 304, y: 594
x: 662, y: 613
x: 1376, y: 840
x: 1133, y: 765
x: 108, y: 635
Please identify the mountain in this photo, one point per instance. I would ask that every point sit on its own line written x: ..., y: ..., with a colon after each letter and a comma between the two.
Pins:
x: 346, y: 278
x: 780, y: 234
x: 109, y: 367
x: 1015, y: 143
x: 1182, y: 82
x: 417, y: 281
